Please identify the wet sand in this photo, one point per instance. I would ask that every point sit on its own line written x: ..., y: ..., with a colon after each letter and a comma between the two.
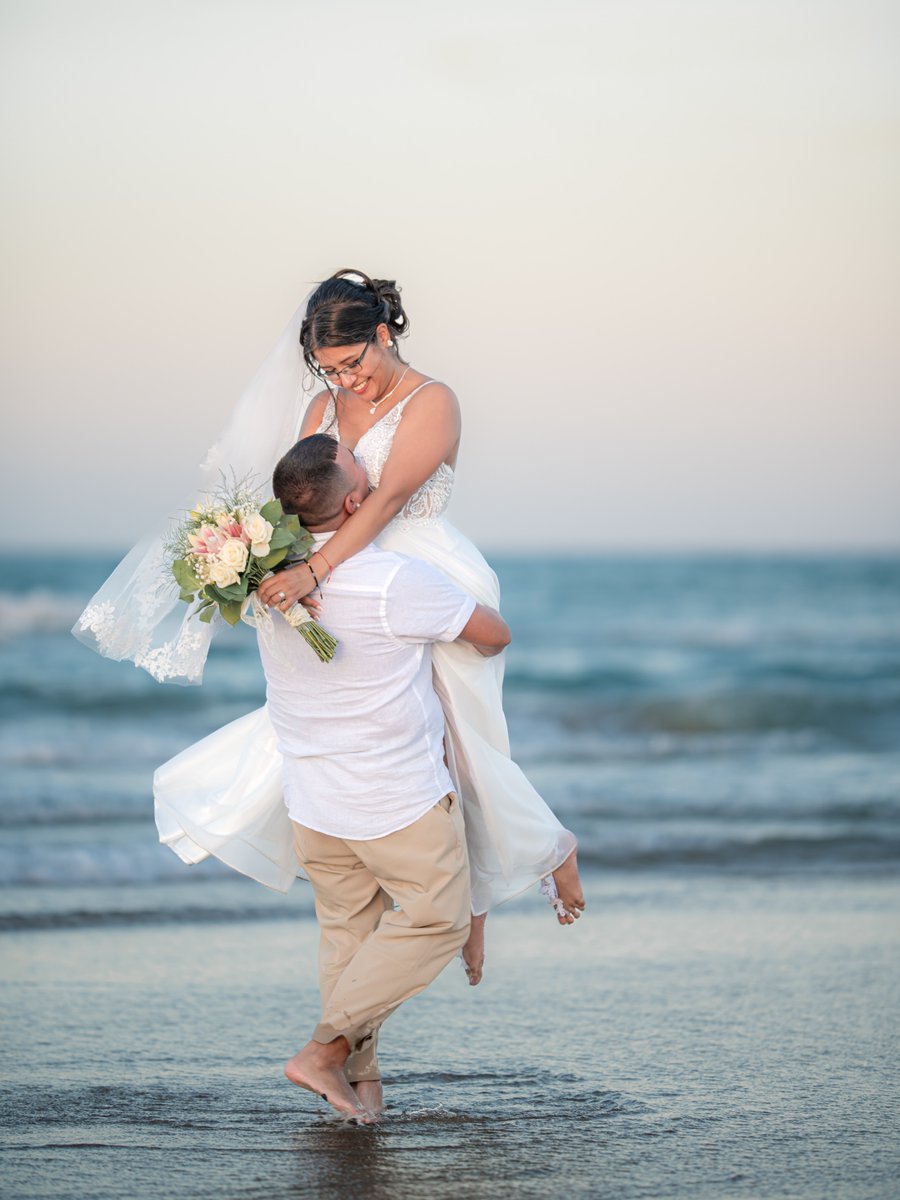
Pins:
x: 692, y: 1036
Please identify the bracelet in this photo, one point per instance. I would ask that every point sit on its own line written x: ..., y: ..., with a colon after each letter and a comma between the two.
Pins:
x: 315, y: 576
x: 327, y: 564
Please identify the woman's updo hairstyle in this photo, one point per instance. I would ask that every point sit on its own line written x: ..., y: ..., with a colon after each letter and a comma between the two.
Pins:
x: 347, y: 309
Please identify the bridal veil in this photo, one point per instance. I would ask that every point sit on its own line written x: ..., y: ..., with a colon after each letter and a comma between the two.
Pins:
x: 137, y: 614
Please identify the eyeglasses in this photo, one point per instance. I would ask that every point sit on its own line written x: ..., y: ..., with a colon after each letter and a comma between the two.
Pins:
x: 351, y: 368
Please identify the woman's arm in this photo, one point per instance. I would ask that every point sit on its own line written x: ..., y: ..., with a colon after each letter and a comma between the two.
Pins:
x: 427, y: 435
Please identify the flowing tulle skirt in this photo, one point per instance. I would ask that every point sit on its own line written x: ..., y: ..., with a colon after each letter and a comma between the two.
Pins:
x: 222, y: 796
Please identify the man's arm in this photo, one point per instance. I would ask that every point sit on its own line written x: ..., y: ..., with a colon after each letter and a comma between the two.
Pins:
x: 486, y: 631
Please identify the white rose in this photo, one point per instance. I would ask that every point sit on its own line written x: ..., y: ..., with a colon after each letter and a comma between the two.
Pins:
x: 234, y: 554
x: 258, y: 530
x: 222, y: 575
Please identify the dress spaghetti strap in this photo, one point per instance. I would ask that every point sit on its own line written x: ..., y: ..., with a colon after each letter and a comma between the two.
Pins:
x: 401, y: 404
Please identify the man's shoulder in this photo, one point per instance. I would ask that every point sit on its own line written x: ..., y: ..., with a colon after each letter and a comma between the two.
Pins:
x: 370, y: 566
x: 383, y: 570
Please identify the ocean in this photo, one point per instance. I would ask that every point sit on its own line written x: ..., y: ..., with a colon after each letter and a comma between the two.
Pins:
x: 722, y: 733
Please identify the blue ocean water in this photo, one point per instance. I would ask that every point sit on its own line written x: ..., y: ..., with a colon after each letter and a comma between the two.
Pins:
x: 709, y: 714
x: 722, y: 734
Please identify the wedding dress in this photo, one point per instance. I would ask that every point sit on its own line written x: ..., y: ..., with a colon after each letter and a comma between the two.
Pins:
x: 222, y: 796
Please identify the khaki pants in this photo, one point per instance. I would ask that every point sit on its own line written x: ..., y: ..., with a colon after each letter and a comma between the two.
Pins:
x: 371, y: 956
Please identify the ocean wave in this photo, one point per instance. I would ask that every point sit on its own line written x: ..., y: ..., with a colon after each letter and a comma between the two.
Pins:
x: 190, y: 914
x: 48, y: 811
x: 775, y: 852
x: 643, y: 807
x: 31, y: 750
x: 546, y: 746
x: 686, y: 840
x: 550, y: 675
x: 37, y: 611
x: 582, y: 674
x: 782, y: 631
x: 86, y: 697
x: 864, y: 715
x: 639, y: 801
x: 128, y: 861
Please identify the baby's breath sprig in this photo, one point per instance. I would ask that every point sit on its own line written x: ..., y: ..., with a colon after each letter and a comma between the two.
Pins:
x: 227, y: 544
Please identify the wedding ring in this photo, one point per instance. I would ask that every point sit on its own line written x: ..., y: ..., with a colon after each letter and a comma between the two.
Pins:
x: 283, y: 596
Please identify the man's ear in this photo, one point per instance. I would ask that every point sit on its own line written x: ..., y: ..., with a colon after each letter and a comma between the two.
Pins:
x: 351, y: 504
x: 354, y: 499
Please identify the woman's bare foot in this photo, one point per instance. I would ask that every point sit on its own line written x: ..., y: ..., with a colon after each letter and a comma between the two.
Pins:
x: 568, y: 885
x: 473, y: 950
x: 371, y: 1094
x: 320, y: 1068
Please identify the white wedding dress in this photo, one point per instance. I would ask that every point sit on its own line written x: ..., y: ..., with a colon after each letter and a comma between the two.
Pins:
x: 222, y: 796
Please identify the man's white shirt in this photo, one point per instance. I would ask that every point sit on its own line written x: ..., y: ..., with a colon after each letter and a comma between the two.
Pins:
x: 362, y: 736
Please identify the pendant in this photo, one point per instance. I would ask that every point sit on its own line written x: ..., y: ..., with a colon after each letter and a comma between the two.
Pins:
x: 372, y: 410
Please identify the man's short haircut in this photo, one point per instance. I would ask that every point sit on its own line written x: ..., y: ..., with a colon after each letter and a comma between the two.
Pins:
x: 309, y: 482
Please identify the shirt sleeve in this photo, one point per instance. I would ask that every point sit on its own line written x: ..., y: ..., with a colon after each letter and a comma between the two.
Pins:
x: 423, y: 605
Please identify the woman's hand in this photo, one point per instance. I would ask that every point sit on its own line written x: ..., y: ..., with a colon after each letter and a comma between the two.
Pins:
x: 286, y: 587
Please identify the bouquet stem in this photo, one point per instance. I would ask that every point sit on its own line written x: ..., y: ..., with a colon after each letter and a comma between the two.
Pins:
x: 320, y: 639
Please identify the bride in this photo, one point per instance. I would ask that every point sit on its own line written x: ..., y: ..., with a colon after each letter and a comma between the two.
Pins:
x: 223, y: 795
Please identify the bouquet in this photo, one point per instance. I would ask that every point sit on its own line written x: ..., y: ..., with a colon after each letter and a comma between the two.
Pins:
x: 227, y: 546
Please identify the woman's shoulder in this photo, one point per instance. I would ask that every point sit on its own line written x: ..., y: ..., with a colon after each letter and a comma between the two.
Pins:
x: 430, y: 395
x: 431, y: 424
x: 315, y: 413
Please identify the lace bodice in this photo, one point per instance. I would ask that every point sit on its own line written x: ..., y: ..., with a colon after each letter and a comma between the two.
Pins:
x: 373, y: 448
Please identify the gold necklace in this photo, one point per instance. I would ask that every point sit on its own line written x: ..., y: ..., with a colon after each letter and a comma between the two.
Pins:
x: 388, y: 395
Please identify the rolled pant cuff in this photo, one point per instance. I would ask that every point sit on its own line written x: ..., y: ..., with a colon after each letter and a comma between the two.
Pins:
x: 326, y: 1033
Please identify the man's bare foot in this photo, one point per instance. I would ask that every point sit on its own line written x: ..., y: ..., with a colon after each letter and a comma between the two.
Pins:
x: 371, y: 1094
x: 319, y: 1068
x: 473, y: 950
x: 568, y: 885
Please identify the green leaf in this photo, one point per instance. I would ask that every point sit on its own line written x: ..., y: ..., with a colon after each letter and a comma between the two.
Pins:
x: 185, y: 578
x: 273, y: 559
x: 302, y: 541
x: 281, y: 537
x: 232, y: 612
x: 293, y: 524
x: 208, y: 613
x: 234, y: 591
x: 272, y: 512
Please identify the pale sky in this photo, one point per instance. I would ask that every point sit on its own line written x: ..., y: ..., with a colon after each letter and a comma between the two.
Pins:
x: 653, y: 246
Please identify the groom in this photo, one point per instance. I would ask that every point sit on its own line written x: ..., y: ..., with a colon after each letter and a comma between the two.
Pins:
x: 377, y: 827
